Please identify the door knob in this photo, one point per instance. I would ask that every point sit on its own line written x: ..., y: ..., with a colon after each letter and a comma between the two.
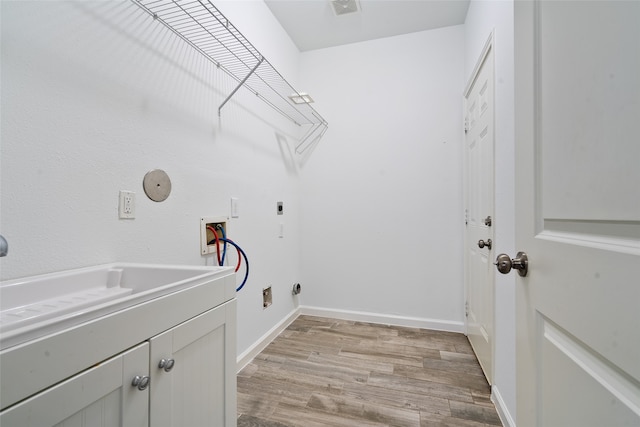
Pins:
x: 504, y: 263
x: 482, y: 244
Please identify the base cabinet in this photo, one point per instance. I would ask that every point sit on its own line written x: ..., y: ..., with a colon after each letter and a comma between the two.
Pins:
x: 101, y: 396
x: 186, y: 378
x: 193, y: 375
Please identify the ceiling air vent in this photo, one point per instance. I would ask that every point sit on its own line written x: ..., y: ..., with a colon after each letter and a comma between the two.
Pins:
x: 343, y: 7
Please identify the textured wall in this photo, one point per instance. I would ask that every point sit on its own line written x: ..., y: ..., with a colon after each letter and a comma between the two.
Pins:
x: 382, y: 196
x: 94, y: 95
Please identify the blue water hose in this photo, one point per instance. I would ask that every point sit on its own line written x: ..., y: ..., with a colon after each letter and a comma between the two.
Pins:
x: 246, y: 261
x: 224, y: 249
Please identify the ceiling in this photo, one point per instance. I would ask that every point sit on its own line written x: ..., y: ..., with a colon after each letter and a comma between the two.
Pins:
x: 312, y: 24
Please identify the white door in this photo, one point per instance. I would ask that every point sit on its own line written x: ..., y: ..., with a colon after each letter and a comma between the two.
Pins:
x: 578, y: 212
x: 479, y: 187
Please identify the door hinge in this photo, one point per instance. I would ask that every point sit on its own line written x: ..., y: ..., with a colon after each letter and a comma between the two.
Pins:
x: 466, y: 216
x: 466, y: 124
x: 466, y: 309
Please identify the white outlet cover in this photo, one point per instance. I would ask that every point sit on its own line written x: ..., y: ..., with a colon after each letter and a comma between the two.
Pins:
x: 127, y: 204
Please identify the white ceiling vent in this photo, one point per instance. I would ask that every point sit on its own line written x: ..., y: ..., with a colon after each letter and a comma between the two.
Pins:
x: 343, y: 7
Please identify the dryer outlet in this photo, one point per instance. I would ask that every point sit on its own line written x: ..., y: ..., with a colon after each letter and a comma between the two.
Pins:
x: 267, y: 297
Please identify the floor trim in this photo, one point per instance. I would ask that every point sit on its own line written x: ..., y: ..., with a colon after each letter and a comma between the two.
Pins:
x: 501, y: 408
x: 385, y: 319
x: 247, y: 356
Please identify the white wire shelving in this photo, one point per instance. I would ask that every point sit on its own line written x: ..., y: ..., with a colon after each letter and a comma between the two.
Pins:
x: 200, y: 24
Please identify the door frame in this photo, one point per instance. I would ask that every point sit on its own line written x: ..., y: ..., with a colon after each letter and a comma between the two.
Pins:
x: 489, y: 46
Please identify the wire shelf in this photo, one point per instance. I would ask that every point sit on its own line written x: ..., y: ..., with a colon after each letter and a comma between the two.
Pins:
x: 205, y: 28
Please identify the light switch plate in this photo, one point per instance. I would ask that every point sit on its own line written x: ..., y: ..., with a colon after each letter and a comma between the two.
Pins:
x: 235, y: 212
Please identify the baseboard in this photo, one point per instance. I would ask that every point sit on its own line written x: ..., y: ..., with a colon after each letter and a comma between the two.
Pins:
x: 385, y: 319
x: 501, y: 408
x: 247, y: 356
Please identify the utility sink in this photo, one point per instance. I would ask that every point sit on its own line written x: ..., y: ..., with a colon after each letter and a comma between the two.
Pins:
x: 34, y: 306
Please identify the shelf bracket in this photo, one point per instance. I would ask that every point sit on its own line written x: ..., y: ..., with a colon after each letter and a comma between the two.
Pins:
x: 306, y: 141
x: 242, y: 82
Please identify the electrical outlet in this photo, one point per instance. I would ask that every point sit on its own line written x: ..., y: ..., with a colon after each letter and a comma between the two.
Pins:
x: 127, y: 204
x: 267, y: 298
x: 206, y: 236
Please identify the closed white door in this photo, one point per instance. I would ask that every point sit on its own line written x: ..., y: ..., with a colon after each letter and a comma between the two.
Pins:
x: 578, y: 212
x: 479, y: 187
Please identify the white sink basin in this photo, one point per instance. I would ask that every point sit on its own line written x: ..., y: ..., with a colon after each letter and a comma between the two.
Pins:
x: 34, y: 306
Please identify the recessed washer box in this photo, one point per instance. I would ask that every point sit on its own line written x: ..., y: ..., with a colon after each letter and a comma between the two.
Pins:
x: 206, y: 235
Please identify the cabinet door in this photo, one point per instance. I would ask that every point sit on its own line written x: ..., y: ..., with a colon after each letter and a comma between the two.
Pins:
x: 100, y: 396
x: 200, y: 387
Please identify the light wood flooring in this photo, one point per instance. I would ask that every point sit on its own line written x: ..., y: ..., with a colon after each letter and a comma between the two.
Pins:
x: 327, y: 372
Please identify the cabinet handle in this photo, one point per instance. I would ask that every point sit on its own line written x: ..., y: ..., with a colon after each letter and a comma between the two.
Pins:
x: 142, y: 382
x: 166, y: 364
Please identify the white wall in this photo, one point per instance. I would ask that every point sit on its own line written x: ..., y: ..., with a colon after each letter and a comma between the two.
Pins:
x: 484, y: 17
x: 381, y: 194
x: 94, y: 95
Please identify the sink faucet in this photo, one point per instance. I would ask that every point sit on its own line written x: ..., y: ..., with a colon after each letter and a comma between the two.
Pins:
x: 4, y: 246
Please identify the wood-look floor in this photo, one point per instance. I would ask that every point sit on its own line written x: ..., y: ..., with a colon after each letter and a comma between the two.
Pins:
x: 327, y: 372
